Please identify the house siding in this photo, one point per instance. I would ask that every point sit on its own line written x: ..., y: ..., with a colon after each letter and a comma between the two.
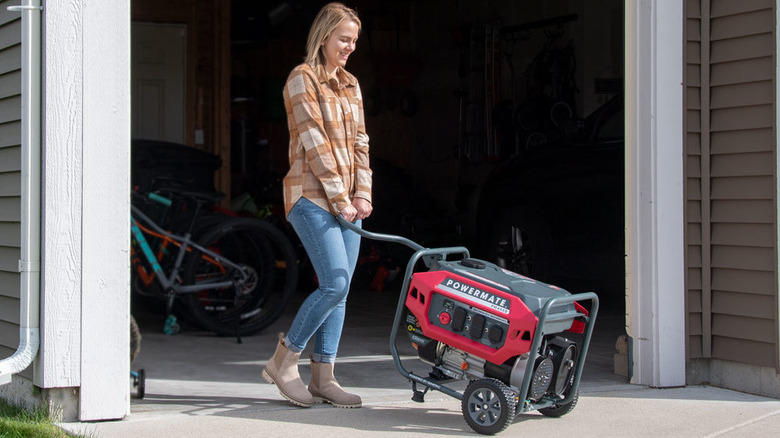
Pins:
x: 10, y: 176
x: 731, y: 181
x: 696, y: 266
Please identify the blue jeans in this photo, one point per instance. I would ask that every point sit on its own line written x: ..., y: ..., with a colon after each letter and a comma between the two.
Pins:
x: 333, y: 251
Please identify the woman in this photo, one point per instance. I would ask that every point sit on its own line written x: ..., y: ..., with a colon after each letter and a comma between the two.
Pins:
x: 329, y: 175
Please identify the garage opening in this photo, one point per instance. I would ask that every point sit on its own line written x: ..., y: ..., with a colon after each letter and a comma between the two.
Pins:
x: 494, y: 125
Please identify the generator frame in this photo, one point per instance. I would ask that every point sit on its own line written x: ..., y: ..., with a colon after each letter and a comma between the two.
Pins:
x: 430, y: 256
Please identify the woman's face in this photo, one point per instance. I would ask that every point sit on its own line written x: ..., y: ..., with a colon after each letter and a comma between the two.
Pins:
x: 340, y: 45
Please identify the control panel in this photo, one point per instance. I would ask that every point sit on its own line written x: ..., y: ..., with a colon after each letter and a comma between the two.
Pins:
x: 468, y: 321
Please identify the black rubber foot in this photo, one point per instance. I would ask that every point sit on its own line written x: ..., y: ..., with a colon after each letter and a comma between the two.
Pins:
x: 418, y: 396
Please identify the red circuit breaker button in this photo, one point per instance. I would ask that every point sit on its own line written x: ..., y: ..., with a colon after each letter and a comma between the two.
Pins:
x: 444, y: 318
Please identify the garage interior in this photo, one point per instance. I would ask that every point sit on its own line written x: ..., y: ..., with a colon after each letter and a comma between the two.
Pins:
x: 495, y: 125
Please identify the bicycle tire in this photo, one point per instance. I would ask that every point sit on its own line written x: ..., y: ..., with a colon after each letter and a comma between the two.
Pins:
x: 135, y: 339
x: 259, y: 247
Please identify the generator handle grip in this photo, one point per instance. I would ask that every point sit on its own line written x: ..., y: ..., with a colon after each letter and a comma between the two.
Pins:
x: 379, y: 236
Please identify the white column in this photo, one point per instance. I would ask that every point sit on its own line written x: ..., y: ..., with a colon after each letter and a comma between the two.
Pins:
x: 105, y: 255
x: 655, y: 301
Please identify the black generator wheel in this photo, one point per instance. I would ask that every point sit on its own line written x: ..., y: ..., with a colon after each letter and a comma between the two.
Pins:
x: 488, y: 406
x: 560, y: 410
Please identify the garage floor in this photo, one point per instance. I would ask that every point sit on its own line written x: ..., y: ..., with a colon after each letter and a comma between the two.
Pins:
x: 196, y: 371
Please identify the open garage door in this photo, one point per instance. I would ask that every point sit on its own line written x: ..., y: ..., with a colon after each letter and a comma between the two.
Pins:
x: 494, y: 125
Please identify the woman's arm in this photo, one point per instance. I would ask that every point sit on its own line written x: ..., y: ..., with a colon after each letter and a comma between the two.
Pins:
x: 363, y: 172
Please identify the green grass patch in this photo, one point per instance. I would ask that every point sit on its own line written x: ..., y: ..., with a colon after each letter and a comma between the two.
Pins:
x: 16, y: 422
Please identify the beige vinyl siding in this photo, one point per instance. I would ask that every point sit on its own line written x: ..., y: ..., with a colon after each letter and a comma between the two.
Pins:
x: 693, y: 181
x: 732, y: 184
x: 10, y: 176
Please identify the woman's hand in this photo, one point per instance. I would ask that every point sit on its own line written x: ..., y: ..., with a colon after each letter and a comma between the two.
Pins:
x: 363, y: 207
x: 349, y: 213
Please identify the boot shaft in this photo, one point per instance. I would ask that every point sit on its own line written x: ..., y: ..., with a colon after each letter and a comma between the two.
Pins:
x: 282, y: 370
x: 321, y: 373
x: 324, y: 387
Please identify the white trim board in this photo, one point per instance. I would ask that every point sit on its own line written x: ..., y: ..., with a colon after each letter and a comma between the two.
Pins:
x: 655, y: 267
x: 105, y: 346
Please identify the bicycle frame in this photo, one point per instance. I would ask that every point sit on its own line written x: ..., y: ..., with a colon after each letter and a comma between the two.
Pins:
x: 185, y: 244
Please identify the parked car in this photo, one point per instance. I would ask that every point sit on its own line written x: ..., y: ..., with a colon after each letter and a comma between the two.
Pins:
x: 556, y: 212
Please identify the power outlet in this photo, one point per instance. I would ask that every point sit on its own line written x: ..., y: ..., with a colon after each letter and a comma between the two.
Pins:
x: 198, y: 136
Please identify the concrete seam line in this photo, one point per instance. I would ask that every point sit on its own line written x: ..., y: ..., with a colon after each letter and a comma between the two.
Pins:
x: 744, y: 423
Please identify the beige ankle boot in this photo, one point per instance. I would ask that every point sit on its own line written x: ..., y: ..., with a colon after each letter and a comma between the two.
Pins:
x: 282, y: 370
x: 324, y: 387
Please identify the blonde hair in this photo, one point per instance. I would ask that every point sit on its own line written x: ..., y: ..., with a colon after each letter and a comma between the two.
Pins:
x: 328, y: 19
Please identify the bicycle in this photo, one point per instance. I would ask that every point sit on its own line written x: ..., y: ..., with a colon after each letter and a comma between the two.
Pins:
x: 233, y: 275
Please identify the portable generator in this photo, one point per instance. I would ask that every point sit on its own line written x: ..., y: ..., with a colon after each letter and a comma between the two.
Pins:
x: 521, y: 343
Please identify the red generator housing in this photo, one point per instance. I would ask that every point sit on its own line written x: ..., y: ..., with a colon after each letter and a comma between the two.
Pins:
x: 470, y: 319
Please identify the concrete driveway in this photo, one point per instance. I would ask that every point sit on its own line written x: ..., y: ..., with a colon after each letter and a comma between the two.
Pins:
x: 201, y: 385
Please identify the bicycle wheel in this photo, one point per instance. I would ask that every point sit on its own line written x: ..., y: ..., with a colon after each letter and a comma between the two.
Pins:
x: 262, y: 252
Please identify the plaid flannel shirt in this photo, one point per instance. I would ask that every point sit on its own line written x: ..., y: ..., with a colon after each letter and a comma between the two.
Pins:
x: 328, y: 143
